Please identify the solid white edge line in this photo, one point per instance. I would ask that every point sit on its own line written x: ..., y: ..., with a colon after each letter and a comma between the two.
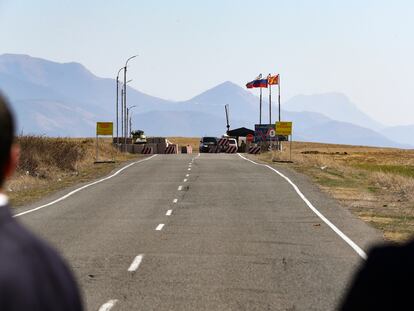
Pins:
x: 108, y: 305
x: 82, y: 188
x: 180, y: 188
x: 342, y: 235
x: 135, y: 263
x: 169, y: 212
x: 175, y: 201
x: 159, y: 227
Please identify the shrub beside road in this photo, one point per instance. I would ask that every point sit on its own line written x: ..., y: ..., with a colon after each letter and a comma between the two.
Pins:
x: 51, y: 164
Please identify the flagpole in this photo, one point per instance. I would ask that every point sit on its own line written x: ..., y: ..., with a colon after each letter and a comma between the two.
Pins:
x: 260, y: 117
x: 278, y: 83
x: 270, y: 104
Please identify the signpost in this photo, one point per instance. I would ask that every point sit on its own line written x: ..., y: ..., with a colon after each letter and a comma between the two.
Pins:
x: 249, y: 138
x: 103, y: 129
x: 262, y: 132
x: 285, y: 129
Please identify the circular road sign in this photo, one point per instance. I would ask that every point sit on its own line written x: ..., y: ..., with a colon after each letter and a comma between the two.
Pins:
x: 272, y: 133
x: 249, y: 138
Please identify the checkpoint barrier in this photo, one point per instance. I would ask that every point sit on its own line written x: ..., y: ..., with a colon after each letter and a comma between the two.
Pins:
x: 222, y: 144
x: 122, y: 140
x: 213, y: 149
x: 254, y: 149
x: 147, y: 150
x: 231, y: 149
x: 171, y: 149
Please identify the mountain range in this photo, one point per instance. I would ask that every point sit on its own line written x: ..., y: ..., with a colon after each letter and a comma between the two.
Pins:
x: 66, y: 99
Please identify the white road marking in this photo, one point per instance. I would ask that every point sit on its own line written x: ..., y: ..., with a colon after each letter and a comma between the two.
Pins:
x: 82, y: 188
x: 187, y: 175
x: 135, y: 264
x: 159, y: 227
x: 342, y: 235
x: 180, y: 188
x: 189, y: 169
x: 185, y: 179
x: 108, y: 306
x: 175, y: 201
x: 169, y: 212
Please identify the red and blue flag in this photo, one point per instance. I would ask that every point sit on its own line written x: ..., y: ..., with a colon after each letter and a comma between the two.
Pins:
x: 258, y: 82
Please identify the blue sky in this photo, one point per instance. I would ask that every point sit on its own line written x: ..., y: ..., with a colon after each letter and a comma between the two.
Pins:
x: 363, y: 49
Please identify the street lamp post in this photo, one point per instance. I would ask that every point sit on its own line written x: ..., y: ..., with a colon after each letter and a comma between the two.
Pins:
x: 125, y: 91
x: 123, y: 114
x: 117, y: 105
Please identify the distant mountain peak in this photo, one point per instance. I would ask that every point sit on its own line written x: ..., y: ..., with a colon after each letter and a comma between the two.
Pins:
x: 17, y: 64
x: 335, y: 105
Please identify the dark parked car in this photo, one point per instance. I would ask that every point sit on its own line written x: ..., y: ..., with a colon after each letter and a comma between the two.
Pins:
x: 206, y: 143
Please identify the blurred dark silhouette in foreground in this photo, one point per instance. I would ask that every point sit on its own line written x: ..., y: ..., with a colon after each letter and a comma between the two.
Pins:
x: 385, y: 281
x: 32, y: 275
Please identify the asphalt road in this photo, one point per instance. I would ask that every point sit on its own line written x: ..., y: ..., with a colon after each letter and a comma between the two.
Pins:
x: 214, y: 232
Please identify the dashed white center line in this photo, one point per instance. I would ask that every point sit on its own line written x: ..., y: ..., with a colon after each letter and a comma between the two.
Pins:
x: 108, y: 306
x: 159, y: 227
x: 180, y: 188
x: 135, y: 264
x: 188, y: 175
x: 169, y: 212
x: 189, y: 169
x: 175, y: 201
x: 185, y: 180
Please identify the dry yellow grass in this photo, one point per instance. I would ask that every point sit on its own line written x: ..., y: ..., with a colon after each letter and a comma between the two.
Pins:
x: 50, y: 164
x: 184, y: 141
x: 377, y: 184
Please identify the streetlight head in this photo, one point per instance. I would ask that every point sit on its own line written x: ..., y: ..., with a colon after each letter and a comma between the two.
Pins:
x: 126, y: 63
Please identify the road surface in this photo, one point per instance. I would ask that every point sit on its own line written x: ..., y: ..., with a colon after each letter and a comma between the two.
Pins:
x: 208, y: 232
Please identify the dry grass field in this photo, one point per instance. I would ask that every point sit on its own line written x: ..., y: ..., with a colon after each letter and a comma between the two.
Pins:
x: 184, y: 141
x: 50, y: 164
x: 377, y: 184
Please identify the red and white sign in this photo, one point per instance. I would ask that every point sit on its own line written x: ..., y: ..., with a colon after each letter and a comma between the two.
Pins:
x: 249, y: 138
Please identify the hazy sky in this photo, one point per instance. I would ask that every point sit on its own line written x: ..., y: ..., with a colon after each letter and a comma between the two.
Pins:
x: 362, y: 48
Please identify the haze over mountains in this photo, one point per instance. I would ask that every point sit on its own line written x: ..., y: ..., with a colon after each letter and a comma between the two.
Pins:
x: 57, y: 99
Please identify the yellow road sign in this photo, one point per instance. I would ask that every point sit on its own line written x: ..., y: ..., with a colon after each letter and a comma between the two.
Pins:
x: 104, y: 128
x: 283, y: 128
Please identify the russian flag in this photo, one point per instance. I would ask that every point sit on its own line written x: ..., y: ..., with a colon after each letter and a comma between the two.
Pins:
x: 257, y: 83
x: 250, y: 85
x: 261, y: 83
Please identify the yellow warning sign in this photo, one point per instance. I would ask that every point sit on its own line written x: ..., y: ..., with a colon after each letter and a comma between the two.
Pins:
x: 283, y: 128
x: 104, y: 128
